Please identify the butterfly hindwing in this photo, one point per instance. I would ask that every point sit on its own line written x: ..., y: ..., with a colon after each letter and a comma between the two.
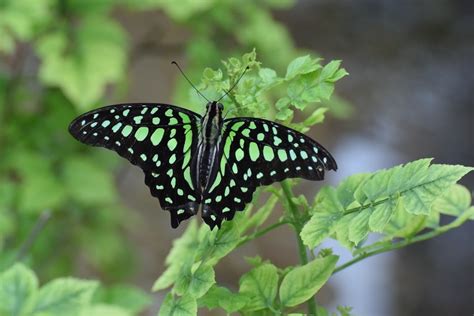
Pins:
x: 161, y: 139
x: 255, y: 152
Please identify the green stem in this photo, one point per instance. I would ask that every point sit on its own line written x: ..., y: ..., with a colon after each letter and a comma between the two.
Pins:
x: 261, y: 232
x: 397, y: 245
x: 292, y: 211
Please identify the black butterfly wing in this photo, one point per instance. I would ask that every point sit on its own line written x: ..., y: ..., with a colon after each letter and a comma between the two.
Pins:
x: 255, y: 152
x: 160, y: 138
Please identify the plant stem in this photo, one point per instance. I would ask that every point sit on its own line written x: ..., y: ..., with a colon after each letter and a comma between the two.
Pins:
x: 408, y: 241
x: 292, y: 211
x: 37, y: 228
x: 261, y: 232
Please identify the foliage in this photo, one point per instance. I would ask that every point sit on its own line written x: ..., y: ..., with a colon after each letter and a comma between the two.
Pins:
x: 48, y: 184
x: 21, y: 295
x: 398, y: 203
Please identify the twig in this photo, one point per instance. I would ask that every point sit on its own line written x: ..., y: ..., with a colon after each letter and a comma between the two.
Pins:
x: 39, y: 225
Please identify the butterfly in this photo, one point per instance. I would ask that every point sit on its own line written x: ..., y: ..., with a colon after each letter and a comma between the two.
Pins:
x: 205, y: 164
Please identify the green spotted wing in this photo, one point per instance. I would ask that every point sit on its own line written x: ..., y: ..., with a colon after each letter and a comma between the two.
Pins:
x: 255, y: 152
x: 160, y: 138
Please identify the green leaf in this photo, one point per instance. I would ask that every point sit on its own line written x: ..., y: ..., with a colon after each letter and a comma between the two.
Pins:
x: 332, y: 73
x: 302, y: 65
x: 82, y: 65
x: 359, y: 226
x: 222, y: 242
x: 324, y: 220
x: 64, y: 296
x: 316, y: 117
x: 195, y: 283
x: 454, y: 201
x: 88, y: 183
x: 18, y: 289
x: 222, y: 297
x: 184, y: 250
x: 178, y: 306
x: 105, y: 310
x: 41, y: 192
x: 303, y: 282
x: 127, y: 297
x: 260, y: 286
x: 19, y: 20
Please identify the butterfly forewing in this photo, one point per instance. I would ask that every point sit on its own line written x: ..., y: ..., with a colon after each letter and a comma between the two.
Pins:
x: 256, y: 152
x: 160, y: 138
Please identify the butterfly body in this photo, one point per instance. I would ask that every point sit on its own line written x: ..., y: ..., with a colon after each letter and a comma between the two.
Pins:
x: 205, y: 164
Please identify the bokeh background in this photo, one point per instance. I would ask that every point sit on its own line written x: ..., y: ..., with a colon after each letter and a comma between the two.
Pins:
x: 408, y: 96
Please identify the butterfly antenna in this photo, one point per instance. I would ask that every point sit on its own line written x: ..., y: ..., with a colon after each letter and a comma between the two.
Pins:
x: 189, y: 81
x: 232, y: 88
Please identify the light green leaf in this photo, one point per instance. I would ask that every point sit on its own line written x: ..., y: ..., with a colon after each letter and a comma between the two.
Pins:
x: 316, y: 117
x: 127, y: 297
x: 359, y: 226
x: 195, y: 283
x: 41, y: 192
x: 302, y: 65
x: 178, y: 306
x: 331, y: 72
x: 83, y: 67
x: 18, y: 290
x: 328, y: 211
x: 64, y: 296
x: 105, y: 310
x: 225, y: 240
x: 260, y: 286
x: 381, y: 215
x: 87, y: 182
x: 454, y: 201
x: 303, y: 282
x: 224, y: 298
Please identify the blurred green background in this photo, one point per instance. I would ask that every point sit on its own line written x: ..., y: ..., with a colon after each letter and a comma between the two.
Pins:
x: 71, y: 210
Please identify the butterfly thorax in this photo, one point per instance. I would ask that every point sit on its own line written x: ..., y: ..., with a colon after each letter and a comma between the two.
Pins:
x: 211, y: 127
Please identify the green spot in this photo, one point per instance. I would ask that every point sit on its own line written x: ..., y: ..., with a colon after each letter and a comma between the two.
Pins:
x: 169, y: 113
x: 154, y: 110
x: 172, y: 159
x: 236, y: 199
x: 105, y: 123
x: 235, y: 170
x: 246, y: 132
x: 172, y: 143
x: 282, y: 155
x: 116, y: 127
x: 173, y: 182
x: 290, y: 138
x: 272, y: 173
x: 173, y: 121
x: 239, y: 154
x: 268, y: 153
x: 144, y: 110
x: 292, y: 154
x: 260, y: 136
x: 225, y: 209
x: 254, y: 151
x: 143, y: 156
x: 160, y: 187
x: 218, y: 198
x: 265, y: 127
x: 304, y: 154
x: 274, y: 130
x: 155, y: 158
x: 169, y: 200
x: 226, y: 191
x: 184, y: 118
x: 207, y: 201
x: 156, y: 120
x: 180, y: 211
x: 237, y: 125
x: 187, y: 177
x: 213, y: 217
x: 252, y: 125
x: 180, y: 192
x: 141, y: 133
x: 138, y: 119
x: 170, y: 173
x: 259, y: 175
x: 125, y: 113
x: 127, y: 130
x: 216, y: 182
x: 232, y: 183
x: 276, y: 140
x: 244, y: 189
x: 188, y: 140
x: 173, y: 132
x: 157, y: 136
x: 191, y: 198
x: 130, y: 150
